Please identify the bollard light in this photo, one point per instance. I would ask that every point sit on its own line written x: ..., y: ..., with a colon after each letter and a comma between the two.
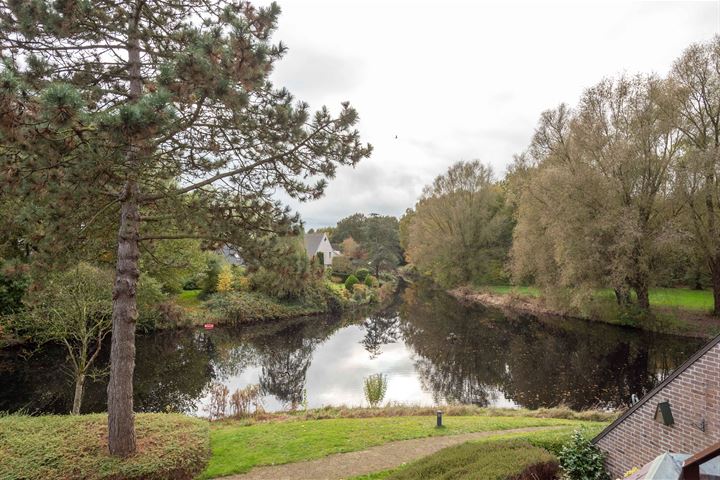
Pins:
x: 439, y: 418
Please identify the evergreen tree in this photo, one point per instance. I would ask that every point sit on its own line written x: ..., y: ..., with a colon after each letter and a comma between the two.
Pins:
x: 352, y: 226
x: 382, y: 242
x: 158, y: 120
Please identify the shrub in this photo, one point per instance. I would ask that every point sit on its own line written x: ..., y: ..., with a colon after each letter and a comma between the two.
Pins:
x: 171, y: 315
x: 386, y: 291
x: 370, y: 281
x: 241, y: 283
x: 74, y: 447
x: 14, y: 281
x: 225, y: 279
x: 210, y: 277
x: 342, y: 265
x: 581, y: 460
x: 350, y: 282
x: 375, y: 387
x: 336, y: 297
x: 360, y: 292
x: 362, y: 274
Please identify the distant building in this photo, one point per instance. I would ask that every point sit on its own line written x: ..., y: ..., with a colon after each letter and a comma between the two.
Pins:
x: 318, y: 245
x: 231, y: 255
x: 680, y: 415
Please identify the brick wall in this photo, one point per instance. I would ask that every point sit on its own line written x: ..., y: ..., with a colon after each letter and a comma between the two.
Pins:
x: 693, y: 395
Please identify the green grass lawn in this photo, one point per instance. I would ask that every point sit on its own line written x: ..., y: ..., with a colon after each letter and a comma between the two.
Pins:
x: 682, y: 298
x: 237, y: 447
x: 189, y: 298
x: 517, y: 290
x: 170, y: 446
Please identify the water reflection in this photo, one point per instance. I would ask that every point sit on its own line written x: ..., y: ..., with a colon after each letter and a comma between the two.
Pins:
x: 432, y: 348
x: 471, y: 355
x: 380, y: 329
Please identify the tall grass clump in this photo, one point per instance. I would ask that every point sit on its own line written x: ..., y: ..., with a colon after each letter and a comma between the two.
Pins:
x: 243, y: 399
x: 375, y: 387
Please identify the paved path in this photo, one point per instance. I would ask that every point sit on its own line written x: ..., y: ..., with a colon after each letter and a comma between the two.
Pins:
x: 374, y: 459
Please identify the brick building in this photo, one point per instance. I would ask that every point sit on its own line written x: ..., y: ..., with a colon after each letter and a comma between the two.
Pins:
x: 681, y: 414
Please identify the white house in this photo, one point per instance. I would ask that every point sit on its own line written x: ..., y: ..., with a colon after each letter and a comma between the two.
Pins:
x: 317, y: 244
x: 231, y: 255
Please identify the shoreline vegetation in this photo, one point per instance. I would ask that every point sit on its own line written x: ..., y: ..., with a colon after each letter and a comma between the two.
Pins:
x: 246, y: 307
x: 237, y: 307
x: 675, y: 311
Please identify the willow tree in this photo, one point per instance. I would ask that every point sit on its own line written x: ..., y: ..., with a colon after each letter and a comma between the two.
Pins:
x: 461, y: 229
x: 696, y: 78
x: 597, y: 193
x: 625, y: 134
x: 157, y: 117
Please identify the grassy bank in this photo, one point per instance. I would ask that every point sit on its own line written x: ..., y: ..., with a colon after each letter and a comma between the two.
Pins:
x: 680, y: 298
x: 293, y: 440
x: 673, y: 310
x: 494, y: 458
x: 75, y: 447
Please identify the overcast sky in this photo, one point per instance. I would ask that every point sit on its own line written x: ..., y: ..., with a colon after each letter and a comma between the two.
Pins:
x: 461, y: 80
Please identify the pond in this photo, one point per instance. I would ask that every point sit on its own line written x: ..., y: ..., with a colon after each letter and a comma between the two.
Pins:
x: 433, y: 350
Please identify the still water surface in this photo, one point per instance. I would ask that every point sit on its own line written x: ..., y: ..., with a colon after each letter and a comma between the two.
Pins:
x: 432, y: 349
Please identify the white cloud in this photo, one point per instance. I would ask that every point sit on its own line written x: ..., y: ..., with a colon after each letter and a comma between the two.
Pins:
x: 459, y: 80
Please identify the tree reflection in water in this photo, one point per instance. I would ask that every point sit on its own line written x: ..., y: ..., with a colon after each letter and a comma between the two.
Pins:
x: 470, y: 354
x: 459, y: 353
x: 285, y: 358
x: 380, y: 329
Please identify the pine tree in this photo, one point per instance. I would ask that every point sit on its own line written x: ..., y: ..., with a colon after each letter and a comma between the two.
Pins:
x: 156, y: 119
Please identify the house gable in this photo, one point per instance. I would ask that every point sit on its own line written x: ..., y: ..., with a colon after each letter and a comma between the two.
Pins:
x: 692, y: 393
x: 316, y: 243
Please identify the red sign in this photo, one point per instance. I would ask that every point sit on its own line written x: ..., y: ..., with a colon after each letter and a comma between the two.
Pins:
x: 208, y: 326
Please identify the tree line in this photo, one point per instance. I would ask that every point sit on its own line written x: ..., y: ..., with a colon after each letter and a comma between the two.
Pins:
x: 620, y: 191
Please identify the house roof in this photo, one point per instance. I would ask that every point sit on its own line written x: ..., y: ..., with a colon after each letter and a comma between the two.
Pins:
x: 312, y: 242
x: 688, y: 363
x: 232, y: 256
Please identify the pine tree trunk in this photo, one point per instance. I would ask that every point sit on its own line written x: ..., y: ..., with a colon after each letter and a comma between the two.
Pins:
x: 79, y: 387
x: 121, y: 418
x: 121, y: 421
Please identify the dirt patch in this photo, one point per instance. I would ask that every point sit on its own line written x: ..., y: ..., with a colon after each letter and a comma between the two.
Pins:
x: 375, y: 459
x: 512, y: 303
